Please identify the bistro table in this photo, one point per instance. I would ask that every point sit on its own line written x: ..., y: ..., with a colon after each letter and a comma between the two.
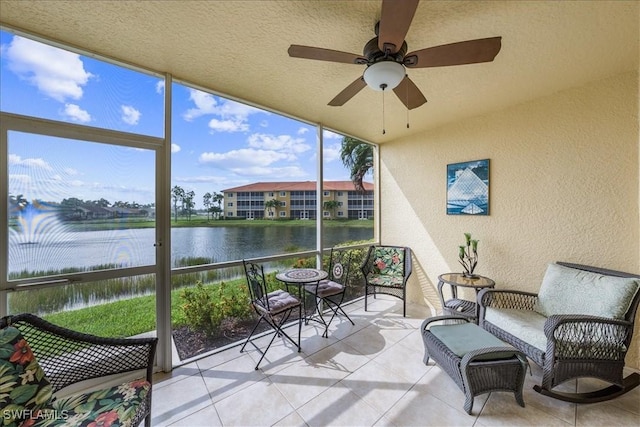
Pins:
x: 455, y: 305
x: 300, y: 277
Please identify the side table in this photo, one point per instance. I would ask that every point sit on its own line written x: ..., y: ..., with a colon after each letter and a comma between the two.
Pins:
x: 455, y: 305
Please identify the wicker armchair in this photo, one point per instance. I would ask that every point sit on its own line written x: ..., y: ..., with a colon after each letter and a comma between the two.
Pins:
x: 386, y: 270
x: 577, y: 345
x: 61, y: 357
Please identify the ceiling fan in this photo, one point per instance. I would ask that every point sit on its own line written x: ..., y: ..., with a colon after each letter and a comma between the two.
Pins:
x: 386, y: 56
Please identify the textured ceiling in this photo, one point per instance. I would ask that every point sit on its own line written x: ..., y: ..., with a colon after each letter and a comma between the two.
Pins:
x: 239, y: 49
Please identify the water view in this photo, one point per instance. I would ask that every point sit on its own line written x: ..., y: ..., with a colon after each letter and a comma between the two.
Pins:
x: 135, y: 247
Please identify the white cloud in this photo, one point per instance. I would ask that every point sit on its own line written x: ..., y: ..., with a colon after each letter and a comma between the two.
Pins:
x: 71, y: 171
x: 15, y: 160
x: 327, y: 134
x: 160, y: 86
x: 231, y: 116
x: 271, y: 172
x: 205, y: 104
x: 245, y: 157
x: 228, y: 125
x: 203, y: 179
x: 57, y: 73
x: 302, y: 131
x: 331, y: 152
x: 175, y: 148
x: 130, y: 115
x: 75, y: 113
x: 278, y: 143
x: 264, y: 124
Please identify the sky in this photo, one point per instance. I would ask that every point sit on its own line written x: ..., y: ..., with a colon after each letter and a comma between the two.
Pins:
x: 217, y: 143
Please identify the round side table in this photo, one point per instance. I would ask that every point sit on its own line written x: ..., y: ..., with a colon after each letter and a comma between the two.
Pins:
x: 457, y: 305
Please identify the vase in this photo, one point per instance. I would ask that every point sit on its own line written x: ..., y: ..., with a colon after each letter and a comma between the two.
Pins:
x: 468, y: 275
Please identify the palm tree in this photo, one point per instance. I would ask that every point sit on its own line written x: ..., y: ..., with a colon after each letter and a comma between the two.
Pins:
x: 331, y: 205
x: 206, y: 201
x: 357, y: 156
x: 217, y: 198
x: 177, y: 194
x: 273, y: 203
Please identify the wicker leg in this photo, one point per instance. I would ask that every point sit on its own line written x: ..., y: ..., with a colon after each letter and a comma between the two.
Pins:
x: 468, y: 402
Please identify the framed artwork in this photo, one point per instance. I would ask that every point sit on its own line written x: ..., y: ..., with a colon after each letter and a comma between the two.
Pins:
x: 468, y: 188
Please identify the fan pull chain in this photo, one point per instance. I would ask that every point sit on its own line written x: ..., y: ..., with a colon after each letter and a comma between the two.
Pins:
x: 383, y: 86
x: 407, y: 92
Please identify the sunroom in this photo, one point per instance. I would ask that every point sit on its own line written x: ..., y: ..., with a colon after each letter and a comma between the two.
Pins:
x: 555, y: 115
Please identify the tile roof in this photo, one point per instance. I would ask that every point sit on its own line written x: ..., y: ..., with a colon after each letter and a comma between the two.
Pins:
x: 298, y: 186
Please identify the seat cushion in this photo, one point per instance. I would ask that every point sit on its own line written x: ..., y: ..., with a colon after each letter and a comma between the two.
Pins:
x: 567, y: 290
x: 527, y: 325
x: 395, y: 281
x: 465, y: 337
x: 325, y: 288
x: 115, y: 406
x: 23, y: 385
x: 279, y: 300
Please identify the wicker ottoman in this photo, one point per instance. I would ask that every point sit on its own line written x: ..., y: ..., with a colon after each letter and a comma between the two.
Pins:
x: 477, y: 361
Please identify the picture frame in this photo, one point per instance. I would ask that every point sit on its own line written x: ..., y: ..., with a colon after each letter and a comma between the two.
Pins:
x: 468, y: 188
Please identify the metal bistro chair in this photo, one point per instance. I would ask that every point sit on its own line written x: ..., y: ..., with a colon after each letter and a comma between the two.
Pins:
x: 273, y: 307
x: 331, y: 291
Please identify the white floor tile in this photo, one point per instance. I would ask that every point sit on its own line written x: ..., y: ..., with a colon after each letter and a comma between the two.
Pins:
x: 367, y: 374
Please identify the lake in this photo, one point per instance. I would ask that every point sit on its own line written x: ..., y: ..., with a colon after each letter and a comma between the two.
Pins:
x: 56, y: 248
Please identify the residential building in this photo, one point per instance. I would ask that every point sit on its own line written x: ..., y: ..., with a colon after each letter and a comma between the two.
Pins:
x: 297, y: 200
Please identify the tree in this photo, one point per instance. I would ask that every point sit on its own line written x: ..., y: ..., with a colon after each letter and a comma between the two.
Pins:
x: 269, y: 205
x: 357, y: 156
x: 177, y: 195
x: 218, y: 198
x: 331, y: 206
x: 188, y: 203
x: 206, y: 201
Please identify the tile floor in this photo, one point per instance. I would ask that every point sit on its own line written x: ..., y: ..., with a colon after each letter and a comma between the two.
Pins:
x: 370, y: 374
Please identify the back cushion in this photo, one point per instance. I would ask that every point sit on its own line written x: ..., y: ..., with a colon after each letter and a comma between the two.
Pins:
x: 23, y: 385
x: 389, y: 260
x: 567, y: 290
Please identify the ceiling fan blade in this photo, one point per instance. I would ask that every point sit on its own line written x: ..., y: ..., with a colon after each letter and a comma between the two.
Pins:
x: 348, y: 92
x: 308, y: 52
x: 467, y: 52
x: 395, y: 19
x: 409, y: 94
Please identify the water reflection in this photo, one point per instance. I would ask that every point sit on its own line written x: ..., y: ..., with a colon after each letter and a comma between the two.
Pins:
x: 55, y: 248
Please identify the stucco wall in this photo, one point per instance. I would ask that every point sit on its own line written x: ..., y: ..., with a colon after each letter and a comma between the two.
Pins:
x: 564, y: 174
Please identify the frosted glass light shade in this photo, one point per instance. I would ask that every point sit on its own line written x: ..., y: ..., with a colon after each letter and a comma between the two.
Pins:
x: 389, y: 73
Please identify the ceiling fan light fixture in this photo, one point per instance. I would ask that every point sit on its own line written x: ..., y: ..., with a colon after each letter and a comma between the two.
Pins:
x: 384, y: 75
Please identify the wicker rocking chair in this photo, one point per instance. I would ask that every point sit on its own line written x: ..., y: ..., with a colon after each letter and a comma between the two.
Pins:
x: 574, y: 342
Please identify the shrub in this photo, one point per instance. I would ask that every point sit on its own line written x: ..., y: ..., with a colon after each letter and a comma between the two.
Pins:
x: 205, y: 308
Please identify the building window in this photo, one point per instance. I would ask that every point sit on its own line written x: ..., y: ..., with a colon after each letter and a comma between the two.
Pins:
x: 230, y: 204
x: 283, y: 204
x: 340, y: 213
x: 283, y: 194
x: 339, y: 193
x: 271, y: 194
x: 325, y: 213
x: 283, y: 214
x: 231, y: 213
x: 229, y: 194
x: 326, y: 193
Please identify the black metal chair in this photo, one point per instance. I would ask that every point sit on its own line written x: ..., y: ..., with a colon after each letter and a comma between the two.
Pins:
x: 331, y: 291
x: 274, y: 307
x: 386, y: 270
